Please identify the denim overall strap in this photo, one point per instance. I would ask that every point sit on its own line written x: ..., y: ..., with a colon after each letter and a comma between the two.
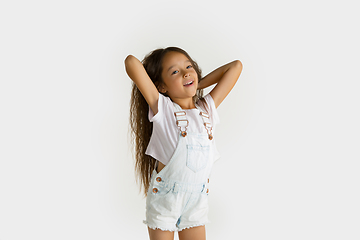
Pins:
x: 181, y: 120
x: 206, y: 119
x: 183, y: 123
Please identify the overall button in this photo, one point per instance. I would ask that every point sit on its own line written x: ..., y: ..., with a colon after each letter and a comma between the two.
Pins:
x: 155, y: 190
x: 207, y: 191
x: 158, y: 179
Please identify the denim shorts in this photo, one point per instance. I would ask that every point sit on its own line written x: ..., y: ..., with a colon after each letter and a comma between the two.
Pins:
x: 174, y: 206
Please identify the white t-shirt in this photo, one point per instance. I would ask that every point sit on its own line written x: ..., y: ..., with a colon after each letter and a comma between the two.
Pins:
x: 165, y: 133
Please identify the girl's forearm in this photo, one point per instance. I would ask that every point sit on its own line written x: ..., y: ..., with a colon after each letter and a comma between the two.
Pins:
x: 215, y: 76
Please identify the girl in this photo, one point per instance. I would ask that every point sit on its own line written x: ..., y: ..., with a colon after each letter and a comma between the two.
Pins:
x: 172, y: 128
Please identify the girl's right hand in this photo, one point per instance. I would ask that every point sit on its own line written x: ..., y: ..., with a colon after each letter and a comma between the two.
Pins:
x: 137, y: 73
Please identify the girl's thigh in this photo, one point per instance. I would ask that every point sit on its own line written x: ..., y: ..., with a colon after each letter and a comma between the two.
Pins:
x: 158, y: 234
x: 197, y: 233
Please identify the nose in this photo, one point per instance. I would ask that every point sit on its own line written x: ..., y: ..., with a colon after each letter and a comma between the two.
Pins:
x: 187, y: 75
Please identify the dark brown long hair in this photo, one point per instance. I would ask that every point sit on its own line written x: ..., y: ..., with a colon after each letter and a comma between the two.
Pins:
x: 141, y: 127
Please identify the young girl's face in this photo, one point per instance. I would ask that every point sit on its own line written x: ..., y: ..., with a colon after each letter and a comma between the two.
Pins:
x: 180, y: 79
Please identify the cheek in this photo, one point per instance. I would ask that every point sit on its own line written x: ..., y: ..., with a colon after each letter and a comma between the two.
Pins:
x: 166, y: 80
x: 195, y: 73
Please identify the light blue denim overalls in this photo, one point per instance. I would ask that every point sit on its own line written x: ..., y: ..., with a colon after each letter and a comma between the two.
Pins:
x: 178, y: 195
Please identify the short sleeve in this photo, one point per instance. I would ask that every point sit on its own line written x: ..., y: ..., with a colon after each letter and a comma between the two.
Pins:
x: 161, y: 106
x: 164, y: 135
x: 212, y: 109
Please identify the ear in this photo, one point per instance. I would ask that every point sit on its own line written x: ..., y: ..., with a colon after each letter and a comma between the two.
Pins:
x: 161, y: 88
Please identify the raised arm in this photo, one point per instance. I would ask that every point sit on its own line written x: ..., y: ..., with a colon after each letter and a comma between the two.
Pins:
x: 225, y: 77
x: 137, y: 73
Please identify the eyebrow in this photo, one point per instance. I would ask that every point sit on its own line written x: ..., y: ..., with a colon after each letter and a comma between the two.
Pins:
x: 174, y: 65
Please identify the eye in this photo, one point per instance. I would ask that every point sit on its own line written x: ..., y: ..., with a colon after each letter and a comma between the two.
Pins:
x: 188, y: 67
x: 174, y: 72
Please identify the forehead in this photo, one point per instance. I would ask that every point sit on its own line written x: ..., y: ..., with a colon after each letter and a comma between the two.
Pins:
x: 174, y: 58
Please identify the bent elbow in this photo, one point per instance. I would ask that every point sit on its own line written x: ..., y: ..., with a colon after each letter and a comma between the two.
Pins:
x: 238, y: 64
x: 129, y: 59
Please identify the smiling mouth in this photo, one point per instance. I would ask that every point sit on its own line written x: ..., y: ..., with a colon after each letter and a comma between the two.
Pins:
x: 188, y: 83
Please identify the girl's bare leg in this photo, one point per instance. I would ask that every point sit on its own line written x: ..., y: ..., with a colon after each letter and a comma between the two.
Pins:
x: 158, y: 234
x: 197, y: 233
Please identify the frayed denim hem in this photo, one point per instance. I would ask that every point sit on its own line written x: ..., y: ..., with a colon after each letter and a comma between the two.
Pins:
x: 161, y: 228
x: 194, y: 225
x: 175, y: 229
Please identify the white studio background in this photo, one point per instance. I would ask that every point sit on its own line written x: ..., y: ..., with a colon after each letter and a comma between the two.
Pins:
x: 289, y: 132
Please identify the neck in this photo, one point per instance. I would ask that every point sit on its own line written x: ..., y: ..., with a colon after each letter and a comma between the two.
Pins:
x: 187, y: 103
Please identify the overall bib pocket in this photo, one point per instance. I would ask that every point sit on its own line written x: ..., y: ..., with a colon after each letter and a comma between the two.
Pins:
x: 197, y: 157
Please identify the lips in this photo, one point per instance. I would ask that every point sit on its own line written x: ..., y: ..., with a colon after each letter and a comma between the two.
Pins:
x: 189, y: 83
